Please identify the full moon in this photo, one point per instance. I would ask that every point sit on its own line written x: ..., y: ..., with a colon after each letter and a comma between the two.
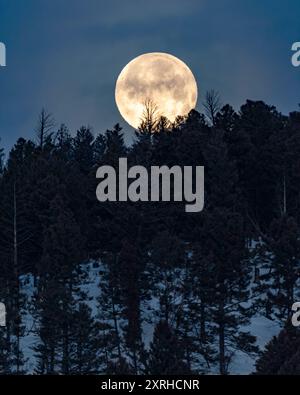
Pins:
x: 159, y: 78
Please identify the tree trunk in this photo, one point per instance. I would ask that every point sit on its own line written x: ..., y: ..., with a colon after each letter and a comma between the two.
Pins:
x: 16, y: 273
x: 222, y: 362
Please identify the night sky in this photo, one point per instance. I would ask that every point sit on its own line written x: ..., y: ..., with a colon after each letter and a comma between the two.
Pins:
x: 65, y: 55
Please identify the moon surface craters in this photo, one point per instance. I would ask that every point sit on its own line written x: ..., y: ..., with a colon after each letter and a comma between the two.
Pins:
x: 159, y: 77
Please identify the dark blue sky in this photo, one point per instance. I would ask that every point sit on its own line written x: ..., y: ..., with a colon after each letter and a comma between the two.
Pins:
x: 65, y: 55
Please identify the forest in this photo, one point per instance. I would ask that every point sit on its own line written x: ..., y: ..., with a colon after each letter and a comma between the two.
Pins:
x: 144, y: 287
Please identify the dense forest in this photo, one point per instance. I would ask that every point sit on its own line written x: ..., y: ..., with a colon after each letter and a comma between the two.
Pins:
x: 197, y: 279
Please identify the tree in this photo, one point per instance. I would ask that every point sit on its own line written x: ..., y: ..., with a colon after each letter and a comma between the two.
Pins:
x: 99, y: 147
x: 110, y: 311
x: 63, y: 144
x: 280, y: 255
x: 165, y: 354
x: 212, y: 105
x: 227, y: 119
x: 5, y: 353
x: 167, y: 272
x: 1, y: 160
x: 44, y: 127
x: 288, y: 144
x: 224, y: 252
x: 261, y: 167
x: 281, y: 354
x: 130, y: 266
x: 114, y: 146
x: 57, y: 289
x: 86, y: 356
x: 15, y: 235
x: 189, y: 275
x: 150, y: 117
x: 83, y: 149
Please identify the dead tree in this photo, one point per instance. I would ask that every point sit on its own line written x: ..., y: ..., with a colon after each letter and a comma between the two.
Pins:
x: 44, y: 127
x: 212, y: 105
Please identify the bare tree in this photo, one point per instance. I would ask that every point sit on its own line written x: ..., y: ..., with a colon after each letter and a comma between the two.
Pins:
x: 150, y: 117
x: 44, y: 127
x: 212, y: 105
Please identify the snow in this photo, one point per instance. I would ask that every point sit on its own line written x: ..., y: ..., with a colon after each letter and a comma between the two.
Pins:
x: 261, y: 327
x: 264, y: 329
x: 30, y: 339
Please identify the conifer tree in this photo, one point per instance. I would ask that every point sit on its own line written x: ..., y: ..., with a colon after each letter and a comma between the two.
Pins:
x: 110, y: 310
x: 281, y: 354
x: 114, y: 146
x: 280, y: 257
x: 165, y: 354
x: 223, y: 247
x: 130, y: 266
x: 83, y: 149
x: 5, y: 355
x: 57, y: 289
x: 86, y: 356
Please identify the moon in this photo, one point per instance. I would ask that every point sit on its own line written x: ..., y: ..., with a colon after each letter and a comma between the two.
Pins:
x: 160, y: 78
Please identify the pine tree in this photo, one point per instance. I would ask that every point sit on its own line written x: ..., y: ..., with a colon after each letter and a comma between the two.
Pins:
x: 167, y: 272
x: 292, y: 365
x: 224, y: 251
x: 261, y: 170
x: 114, y: 146
x: 63, y: 144
x: 57, y: 288
x: 15, y: 237
x: 83, y: 149
x: 99, y: 147
x: 165, y: 354
x: 110, y: 311
x: 5, y: 355
x: 86, y: 356
x: 281, y: 354
x: 280, y: 253
x: 131, y: 297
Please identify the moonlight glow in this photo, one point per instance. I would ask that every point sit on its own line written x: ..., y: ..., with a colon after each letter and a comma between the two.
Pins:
x: 159, y: 77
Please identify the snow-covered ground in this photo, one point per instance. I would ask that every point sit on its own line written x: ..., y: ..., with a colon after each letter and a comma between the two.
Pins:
x: 264, y: 329
x: 261, y: 327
